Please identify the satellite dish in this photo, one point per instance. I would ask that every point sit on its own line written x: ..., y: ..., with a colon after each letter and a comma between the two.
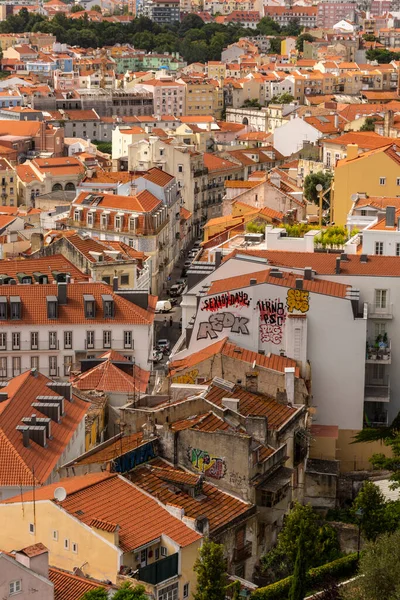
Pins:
x: 60, y: 494
x: 354, y: 197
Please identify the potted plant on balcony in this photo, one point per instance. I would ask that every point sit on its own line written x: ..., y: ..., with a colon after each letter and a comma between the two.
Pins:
x: 385, y: 341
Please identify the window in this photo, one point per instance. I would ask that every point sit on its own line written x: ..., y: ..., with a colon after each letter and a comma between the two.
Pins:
x: 52, y: 308
x: 379, y: 248
x: 104, y: 220
x: 67, y: 365
x: 15, y: 586
x: 16, y: 340
x: 180, y: 168
x: 89, y: 219
x: 34, y: 340
x: 35, y: 363
x: 398, y: 181
x: 3, y: 341
x: 381, y: 299
x: 397, y: 249
x: 106, y: 339
x: 168, y: 593
x: 74, y: 547
x: 124, y: 279
x: 157, y: 554
x: 164, y: 551
x: 118, y: 222
x: 55, y: 535
x: 67, y: 339
x: 77, y: 215
x: 106, y: 280
x: 53, y: 370
x: 66, y: 544
x: 3, y: 309
x: 382, y: 180
x: 31, y: 528
x: 16, y: 366
x: 186, y: 590
x: 90, y: 306
x: 3, y: 367
x: 127, y: 339
x: 90, y: 339
x: 52, y: 340
x: 108, y: 308
x: 15, y: 307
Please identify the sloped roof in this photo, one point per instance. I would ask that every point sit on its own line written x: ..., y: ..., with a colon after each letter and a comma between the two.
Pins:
x: 107, y: 377
x: 71, y: 587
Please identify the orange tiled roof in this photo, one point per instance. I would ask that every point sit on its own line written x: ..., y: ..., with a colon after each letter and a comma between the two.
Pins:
x: 44, y: 265
x: 107, y: 377
x: 364, y: 139
x: 288, y: 280
x: 22, y: 392
x: 158, y: 177
x: 143, y: 202
x: 34, y: 305
x: 140, y: 518
x: 215, y: 163
x: 219, y: 507
x: 71, y: 587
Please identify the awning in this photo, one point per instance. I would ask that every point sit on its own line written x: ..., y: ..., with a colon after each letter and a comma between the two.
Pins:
x: 279, y: 479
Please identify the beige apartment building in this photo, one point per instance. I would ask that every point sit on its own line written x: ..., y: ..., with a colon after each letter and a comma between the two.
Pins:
x: 8, y: 180
x: 203, y: 96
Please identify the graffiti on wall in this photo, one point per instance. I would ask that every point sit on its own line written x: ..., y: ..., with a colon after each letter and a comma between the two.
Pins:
x: 272, y: 320
x: 298, y: 300
x: 225, y: 301
x: 189, y: 377
x: 202, y: 461
x: 217, y: 322
x: 135, y: 457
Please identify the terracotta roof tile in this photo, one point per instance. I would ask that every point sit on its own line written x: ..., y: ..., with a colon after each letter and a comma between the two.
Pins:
x: 71, y: 587
x: 107, y: 377
x: 219, y: 507
x: 45, y: 265
x: 143, y: 202
x: 158, y: 177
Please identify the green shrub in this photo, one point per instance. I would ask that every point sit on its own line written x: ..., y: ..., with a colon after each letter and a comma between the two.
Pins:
x: 337, y: 569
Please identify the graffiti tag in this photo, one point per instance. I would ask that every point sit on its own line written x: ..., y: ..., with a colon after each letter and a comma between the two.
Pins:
x: 272, y: 319
x: 202, y: 461
x: 135, y: 457
x: 217, y: 322
x: 298, y: 300
x: 225, y: 300
x: 189, y: 377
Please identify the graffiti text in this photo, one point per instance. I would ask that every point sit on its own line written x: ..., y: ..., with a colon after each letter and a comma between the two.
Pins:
x: 217, y: 322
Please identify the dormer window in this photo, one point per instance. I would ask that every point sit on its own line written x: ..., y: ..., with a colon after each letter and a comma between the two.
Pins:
x: 90, y: 306
x: 3, y: 308
x: 52, y: 307
x: 15, y: 303
x: 108, y: 306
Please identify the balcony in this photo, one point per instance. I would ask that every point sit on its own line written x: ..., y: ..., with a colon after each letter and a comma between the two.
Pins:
x: 160, y: 570
x: 374, y: 416
x: 380, y: 312
x: 377, y: 392
x: 379, y: 352
x: 240, y: 554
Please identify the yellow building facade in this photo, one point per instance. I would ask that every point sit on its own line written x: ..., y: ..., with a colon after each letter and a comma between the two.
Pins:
x: 375, y: 173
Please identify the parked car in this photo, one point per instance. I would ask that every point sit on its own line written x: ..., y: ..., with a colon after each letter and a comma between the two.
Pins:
x: 197, y: 244
x: 163, y: 306
x: 174, y: 301
x: 163, y: 345
x: 176, y: 290
x: 181, y: 282
x: 187, y: 264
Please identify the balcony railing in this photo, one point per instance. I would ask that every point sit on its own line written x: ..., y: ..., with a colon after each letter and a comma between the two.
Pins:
x: 378, y: 312
x: 243, y: 553
x: 160, y: 570
x: 100, y: 345
x: 375, y: 418
x: 379, y: 352
x: 377, y: 392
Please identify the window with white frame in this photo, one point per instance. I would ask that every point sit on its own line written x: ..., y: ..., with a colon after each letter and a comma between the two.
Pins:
x: 52, y: 340
x: 66, y: 544
x: 379, y: 248
x: 55, y: 535
x: 90, y: 218
x: 16, y: 340
x: 398, y: 181
x: 186, y: 590
x: 3, y: 340
x: 35, y: 363
x: 381, y: 299
x: 106, y: 339
x: 68, y: 339
x: 53, y: 370
x: 77, y: 215
x: 75, y: 547
x: 16, y: 366
x: 127, y: 339
x: 15, y: 587
x: 31, y: 528
x: 67, y: 364
x: 104, y: 220
x: 118, y: 222
x: 90, y: 339
x: 164, y: 551
x: 3, y: 367
x: 382, y: 180
x: 168, y: 593
x: 34, y: 340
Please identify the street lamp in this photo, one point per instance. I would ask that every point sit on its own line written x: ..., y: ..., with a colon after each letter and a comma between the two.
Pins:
x: 319, y: 189
x: 359, y: 515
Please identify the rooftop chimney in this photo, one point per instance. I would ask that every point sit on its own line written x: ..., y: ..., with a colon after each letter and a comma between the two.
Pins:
x: 62, y: 292
x: 308, y: 273
x: 352, y: 151
x: 289, y: 383
x: 218, y: 258
x: 231, y: 403
x: 299, y: 284
x: 115, y: 283
x: 364, y: 258
x: 390, y: 216
x: 337, y: 265
x: 336, y: 121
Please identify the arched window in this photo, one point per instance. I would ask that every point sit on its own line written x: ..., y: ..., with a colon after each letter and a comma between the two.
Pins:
x: 57, y: 187
x: 70, y: 187
x: 245, y: 121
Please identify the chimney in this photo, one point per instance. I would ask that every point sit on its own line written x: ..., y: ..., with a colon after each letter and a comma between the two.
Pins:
x: 63, y: 388
x: 390, y: 216
x: 289, y: 384
x: 275, y: 179
x: 308, y: 273
x: 364, y: 258
x: 62, y: 293
x: 336, y: 121
x: 352, y: 151
x: 387, y: 123
x: 337, y: 270
x: 25, y: 434
x: 115, y: 283
x: 299, y: 284
x: 231, y: 403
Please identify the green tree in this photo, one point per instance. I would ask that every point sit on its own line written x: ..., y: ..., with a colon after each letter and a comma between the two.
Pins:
x: 310, y: 183
x: 210, y: 568
x: 379, y: 565
x: 285, y: 98
x: 304, y: 37
x: 298, y: 588
x: 267, y: 26
x: 253, y: 103
x: 77, y: 8
x: 96, y: 8
x: 369, y: 124
x: 293, y: 28
x: 371, y: 503
x: 191, y: 21
x: 126, y: 592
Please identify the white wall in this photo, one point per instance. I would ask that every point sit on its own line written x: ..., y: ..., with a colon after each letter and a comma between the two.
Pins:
x: 289, y: 138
